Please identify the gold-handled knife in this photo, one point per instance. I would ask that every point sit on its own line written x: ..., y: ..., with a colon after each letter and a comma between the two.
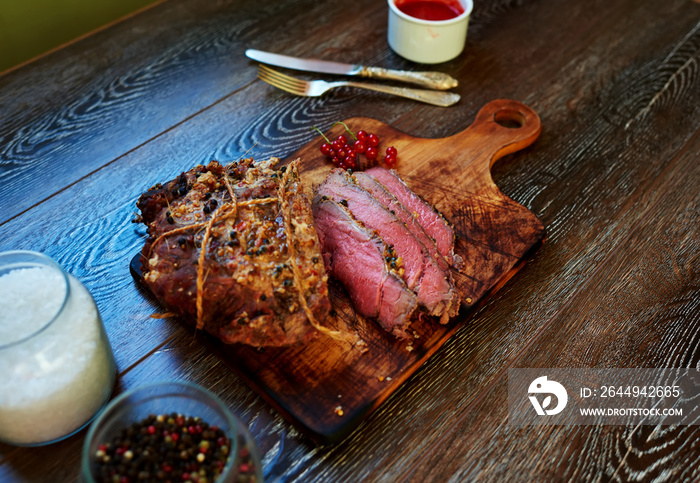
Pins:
x: 432, y: 80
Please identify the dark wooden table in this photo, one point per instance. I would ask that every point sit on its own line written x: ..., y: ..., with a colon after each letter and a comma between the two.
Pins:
x: 614, y: 176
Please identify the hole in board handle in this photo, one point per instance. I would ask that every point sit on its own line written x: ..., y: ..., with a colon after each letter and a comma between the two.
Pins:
x: 509, y: 118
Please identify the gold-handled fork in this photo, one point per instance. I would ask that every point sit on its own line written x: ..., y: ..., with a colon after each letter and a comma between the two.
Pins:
x: 317, y: 88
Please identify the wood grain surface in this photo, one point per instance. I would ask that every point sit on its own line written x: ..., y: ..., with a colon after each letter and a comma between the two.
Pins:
x: 613, y: 177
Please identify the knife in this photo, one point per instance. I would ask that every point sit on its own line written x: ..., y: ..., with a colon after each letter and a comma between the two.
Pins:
x: 433, y: 80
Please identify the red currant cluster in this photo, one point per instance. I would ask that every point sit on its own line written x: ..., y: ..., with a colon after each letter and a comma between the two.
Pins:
x: 347, y: 153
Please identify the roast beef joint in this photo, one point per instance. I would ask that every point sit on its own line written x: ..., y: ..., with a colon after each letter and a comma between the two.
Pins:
x: 234, y: 250
x: 240, y: 252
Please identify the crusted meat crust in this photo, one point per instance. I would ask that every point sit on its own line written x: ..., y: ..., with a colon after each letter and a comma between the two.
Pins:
x: 218, y: 252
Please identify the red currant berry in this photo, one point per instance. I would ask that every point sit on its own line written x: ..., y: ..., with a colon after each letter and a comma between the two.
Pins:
x: 371, y: 153
x: 342, y: 153
x: 391, y: 151
x: 350, y: 162
x: 389, y: 161
x: 359, y: 146
x: 373, y: 140
x: 342, y: 140
x: 361, y: 135
x: 326, y: 149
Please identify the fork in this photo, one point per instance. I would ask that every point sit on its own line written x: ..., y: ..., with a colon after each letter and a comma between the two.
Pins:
x: 316, y: 88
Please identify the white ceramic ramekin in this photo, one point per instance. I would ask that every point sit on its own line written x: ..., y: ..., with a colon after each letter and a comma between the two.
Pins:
x: 427, y: 41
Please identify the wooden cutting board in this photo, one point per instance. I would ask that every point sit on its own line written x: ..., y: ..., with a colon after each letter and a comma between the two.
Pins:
x: 328, y: 386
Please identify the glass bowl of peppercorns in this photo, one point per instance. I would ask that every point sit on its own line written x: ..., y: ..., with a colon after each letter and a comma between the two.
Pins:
x: 169, y: 431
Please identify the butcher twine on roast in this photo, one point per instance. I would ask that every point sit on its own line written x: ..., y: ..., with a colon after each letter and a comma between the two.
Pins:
x: 234, y: 250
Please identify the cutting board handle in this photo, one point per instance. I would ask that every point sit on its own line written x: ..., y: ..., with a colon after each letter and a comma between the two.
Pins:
x: 501, y: 127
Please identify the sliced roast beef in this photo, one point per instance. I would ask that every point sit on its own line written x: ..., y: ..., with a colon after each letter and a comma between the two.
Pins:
x: 430, y: 219
x: 357, y: 257
x: 394, y: 206
x: 421, y: 272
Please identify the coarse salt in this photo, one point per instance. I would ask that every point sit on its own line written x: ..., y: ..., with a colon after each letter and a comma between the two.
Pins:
x: 31, y: 297
x: 52, y: 382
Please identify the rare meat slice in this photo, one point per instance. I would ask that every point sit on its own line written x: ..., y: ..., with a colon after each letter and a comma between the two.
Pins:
x: 394, y: 206
x: 234, y: 250
x: 430, y: 219
x: 357, y: 257
x: 419, y: 269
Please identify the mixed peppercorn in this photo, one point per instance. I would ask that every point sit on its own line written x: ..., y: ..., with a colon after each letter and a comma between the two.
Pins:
x: 170, y: 447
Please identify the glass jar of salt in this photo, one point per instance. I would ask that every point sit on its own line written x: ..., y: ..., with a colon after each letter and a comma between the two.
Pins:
x: 56, y: 365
